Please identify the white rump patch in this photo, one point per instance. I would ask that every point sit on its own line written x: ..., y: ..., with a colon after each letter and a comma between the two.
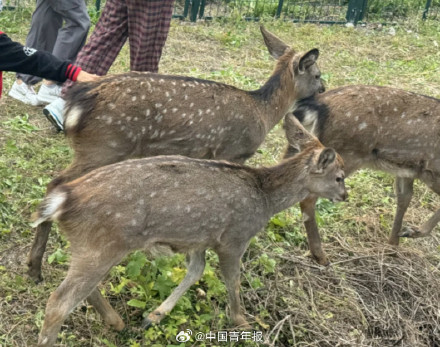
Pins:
x: 73, y: 116
x: 51, y: 207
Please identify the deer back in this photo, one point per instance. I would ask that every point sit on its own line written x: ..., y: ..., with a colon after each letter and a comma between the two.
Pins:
x: 379, y: 127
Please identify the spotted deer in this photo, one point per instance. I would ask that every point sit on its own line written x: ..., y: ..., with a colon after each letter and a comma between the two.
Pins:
x: 382, y: 129
x: 177, y: 204
x: 145, y: 114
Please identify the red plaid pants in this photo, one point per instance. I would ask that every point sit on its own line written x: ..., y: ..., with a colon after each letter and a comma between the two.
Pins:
x: 144, y: 22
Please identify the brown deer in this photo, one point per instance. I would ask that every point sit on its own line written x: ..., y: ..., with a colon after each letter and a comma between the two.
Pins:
x: 383, y: 129
x: 145, y: 114
x: 179, y: 204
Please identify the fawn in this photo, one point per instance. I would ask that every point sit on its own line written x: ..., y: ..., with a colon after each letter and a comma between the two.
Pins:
x: 181, y: 204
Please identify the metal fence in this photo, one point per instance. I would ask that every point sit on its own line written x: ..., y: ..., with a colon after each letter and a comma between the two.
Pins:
x: 324, y: 11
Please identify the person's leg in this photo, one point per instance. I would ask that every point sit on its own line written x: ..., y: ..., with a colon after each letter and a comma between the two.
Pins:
x: 148, y: 27
x: 106, y: 41
x: 42, y: 34
x: 70, y: 39
x: 98, y: 54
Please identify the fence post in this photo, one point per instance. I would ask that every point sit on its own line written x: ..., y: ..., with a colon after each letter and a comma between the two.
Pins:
x: 194, y: 10
x: 356, y: 10
x: 280, y: 7
x: 427, y: 6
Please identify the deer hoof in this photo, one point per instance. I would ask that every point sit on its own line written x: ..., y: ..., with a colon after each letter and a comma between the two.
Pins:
x: 146, y: 323
x: 410, y: 232
x: 35, y: 276
x: 241, y: 323
x: 321, y: 260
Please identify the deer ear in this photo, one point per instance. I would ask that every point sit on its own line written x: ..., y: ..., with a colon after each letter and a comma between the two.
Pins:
x: 297, y: 136
x: 275, y: 46
x: 326, y: 157
x: 308, y: 60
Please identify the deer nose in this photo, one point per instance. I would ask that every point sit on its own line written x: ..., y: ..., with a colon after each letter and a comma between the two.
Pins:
x: 345, y: 196
x: 322, y: 88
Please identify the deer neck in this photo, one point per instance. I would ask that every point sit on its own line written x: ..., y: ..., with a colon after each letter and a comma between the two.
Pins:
x: 277, y: 96
x: 284, y: 184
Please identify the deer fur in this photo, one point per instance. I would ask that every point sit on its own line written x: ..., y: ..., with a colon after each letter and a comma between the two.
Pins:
x: 380, y: 128
x: 183, y: 204
x: 144, y: 114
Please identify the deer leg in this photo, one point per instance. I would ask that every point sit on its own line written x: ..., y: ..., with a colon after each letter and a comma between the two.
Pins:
x: 105, y: 310
x: 196, y: 265
x: 84, y: 274
x: 426, y: 228
x: 313, y: 238
x: 404, y: 192
x: 36, y: 253
x: 230, y: 269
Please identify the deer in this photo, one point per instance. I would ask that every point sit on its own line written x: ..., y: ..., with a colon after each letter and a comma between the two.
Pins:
x: 219, y: 205
x: 380, y: 128
x: 136, y: 115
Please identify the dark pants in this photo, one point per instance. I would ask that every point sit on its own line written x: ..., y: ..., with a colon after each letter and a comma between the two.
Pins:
x: 48, y: 33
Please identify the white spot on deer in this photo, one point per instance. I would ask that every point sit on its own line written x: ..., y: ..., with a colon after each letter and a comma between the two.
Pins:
x: 143, y: 97
x: 155, y: 134
x: 173, y: 83
x: 128, y: 90
x: 362, y: 126
x: 183, y: 85
x: 158, y: 104
x: 161, y: 80
x: 174, y: 91
x: 395, y: 109
x: 151, y: 79
x: 200, y: 112
x: 123, y: 128
x: 403, y: 115
x: 174, y: 110
x: 118, y: 122
x: 348, y: 114
x: 172, y: 132
x: 191, y: 104
x: 111, y: 106
x: 147, y: 113
x: 113, y: 144
x: 217, y: 107
x: 133, y: 98
x: 185, y: 97
x: 183, y: 115
x: 135, y: 119
x: 143, y: 130
x: 128, y: 119
x: 167, y: 94
x: 165, y: 111
x: 208, y: 111
x: 118, y: 215
x: 73, y: 116
x: 153, y: 194
x: 141, y: 202
x: 356, y: 118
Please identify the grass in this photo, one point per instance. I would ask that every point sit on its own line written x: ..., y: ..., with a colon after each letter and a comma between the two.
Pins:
x: 288, y: 298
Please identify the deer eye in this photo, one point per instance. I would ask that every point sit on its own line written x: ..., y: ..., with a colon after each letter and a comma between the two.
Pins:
x: 318, y: 77
x: 339, y: 179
